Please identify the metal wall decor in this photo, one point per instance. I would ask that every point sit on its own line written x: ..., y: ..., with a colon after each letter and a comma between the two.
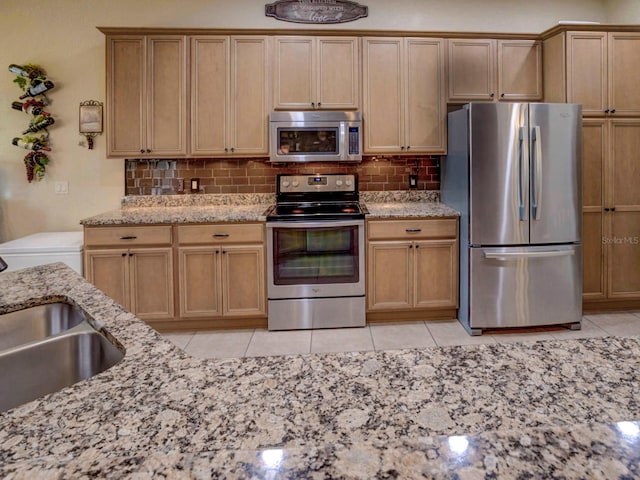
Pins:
x: 316, y: 11
x: 90, y: 120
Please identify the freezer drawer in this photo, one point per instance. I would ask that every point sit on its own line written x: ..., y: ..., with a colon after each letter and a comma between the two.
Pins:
x: 525, y: 286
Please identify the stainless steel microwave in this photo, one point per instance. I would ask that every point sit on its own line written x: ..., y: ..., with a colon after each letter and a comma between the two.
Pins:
x: 315, y: 136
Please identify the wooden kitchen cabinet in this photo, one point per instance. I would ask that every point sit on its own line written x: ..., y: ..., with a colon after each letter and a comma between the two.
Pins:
x: 221, y: 271
x: 229, y: 95
x: 611, y: 210
x: 600, y: 70
x: 404, y: 95
x: 412, y: 265
x: 316, y: 73
x: 121, y: 263
x: 488, y: 69
x: 146, y: 107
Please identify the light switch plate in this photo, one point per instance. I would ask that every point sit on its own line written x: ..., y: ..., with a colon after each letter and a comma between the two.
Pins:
x: 413, y: 181
x: 61, y: 188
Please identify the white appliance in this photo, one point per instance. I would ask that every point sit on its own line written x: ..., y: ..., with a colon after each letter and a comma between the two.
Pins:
x: 43, y: 248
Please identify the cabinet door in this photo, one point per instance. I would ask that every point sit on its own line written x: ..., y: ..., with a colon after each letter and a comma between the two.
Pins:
x: 389, y: 275
x: 383, y: 109
x: 166, y: 95
x: 624, y: 195
x: 126, y: 80
x: 436, y: 273
x: 338, y: 68
x: 200, y: 290
x: 209, y: 95
x: 594, y: 151
x: 294, y: 73
x: 426, y: 110
x: 243, y: 280
x: 151, y: 282
x: 624, y: 73
x: 519, y: 70
x: 109, y: 271
x: 472, y: 69
x: 249, y: 115
x: 587, y: 71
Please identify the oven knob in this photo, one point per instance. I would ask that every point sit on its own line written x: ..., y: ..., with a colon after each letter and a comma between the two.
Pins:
x: 285, y: 183
x: 339, y: 183
x: 348, y: 183
x: 294, y: 183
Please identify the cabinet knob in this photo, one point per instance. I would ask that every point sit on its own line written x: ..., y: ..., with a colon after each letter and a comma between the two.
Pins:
x: 502, y: 95
x: 226, y: 149
x: 606, y: 209
x: 131, y: 254
x: 319, y: 104
x: 313, y: 104
x: 607, y: 111
x: 613, y: 110
x: 492, y: 94
x: 417, y: 246
x: 142, y: 150
x: 148, y: 150
x: 224, y: 252
x: 124, y: 254
x: 233, y: 149
x: 613, y: 209
x: 402, y: 147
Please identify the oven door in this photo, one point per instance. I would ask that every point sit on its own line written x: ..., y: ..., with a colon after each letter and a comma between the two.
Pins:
x: 315, y: 259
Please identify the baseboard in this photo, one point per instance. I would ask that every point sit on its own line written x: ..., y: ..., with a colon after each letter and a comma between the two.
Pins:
x: 411, y: 315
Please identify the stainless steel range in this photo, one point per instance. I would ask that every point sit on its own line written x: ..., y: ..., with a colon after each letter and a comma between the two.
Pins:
x: 315, y: 253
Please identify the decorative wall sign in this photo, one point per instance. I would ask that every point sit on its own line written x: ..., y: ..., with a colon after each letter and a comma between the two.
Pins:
x: 316, y: 11
x: 90, y: 120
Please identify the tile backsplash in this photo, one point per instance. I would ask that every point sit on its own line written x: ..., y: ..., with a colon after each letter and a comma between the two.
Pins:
x: 258, y: 175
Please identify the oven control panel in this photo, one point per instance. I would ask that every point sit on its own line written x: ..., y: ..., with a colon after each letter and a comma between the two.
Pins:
x: 317, y: 183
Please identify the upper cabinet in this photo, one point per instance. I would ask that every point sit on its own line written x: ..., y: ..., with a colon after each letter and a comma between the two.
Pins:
x: 404, y: 108
x: 316, y: 73
x: 146, y: 95
x: 229, y: 95
x: 600, y: 70
x: 487, y: 69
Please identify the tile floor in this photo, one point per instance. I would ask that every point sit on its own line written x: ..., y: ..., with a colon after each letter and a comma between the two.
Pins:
x: 259, y: 343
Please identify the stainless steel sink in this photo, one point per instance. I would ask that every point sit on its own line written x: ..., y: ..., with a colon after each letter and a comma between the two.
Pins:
x: 59, y: 347
x: 37, y: 323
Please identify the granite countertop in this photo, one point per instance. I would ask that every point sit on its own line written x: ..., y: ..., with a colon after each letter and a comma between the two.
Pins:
x: 172, y: 209
x: 547, y: 409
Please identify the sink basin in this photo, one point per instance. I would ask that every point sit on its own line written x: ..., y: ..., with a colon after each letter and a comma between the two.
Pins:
x: 30, y: 371
x: 37, y: 323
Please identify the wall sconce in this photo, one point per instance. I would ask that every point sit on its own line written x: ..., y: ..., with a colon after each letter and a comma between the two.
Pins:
x: 90, y: 120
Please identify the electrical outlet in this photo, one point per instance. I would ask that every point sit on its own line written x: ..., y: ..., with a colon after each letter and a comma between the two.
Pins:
x: 61, y: 188
x: 413, y: 181
x: 180, y: 185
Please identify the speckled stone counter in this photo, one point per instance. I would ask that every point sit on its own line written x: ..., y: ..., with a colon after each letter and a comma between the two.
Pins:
x: 553, y: 409
x: 173, y: 209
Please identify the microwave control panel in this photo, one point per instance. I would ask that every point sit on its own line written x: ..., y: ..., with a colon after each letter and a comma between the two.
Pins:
x: 354, y: 141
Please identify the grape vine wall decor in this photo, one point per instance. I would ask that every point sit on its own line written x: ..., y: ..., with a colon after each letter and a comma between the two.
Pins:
x: 33, y: 82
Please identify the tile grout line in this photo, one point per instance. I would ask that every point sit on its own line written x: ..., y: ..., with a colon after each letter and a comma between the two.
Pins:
x: 431, y: 333
x: 184, y: 349
x: 244, y: 355
x: 373, y: 342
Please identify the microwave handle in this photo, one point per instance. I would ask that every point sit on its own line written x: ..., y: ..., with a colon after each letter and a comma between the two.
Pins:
x: 343, y: 145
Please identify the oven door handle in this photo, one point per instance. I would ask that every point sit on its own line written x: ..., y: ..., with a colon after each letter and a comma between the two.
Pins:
x: 316, y: 224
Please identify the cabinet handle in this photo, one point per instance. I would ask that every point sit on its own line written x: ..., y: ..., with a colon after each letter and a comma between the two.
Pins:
x: 417, y: 246
x: 502, y: 95
x: 128, y: 237
x: 492, y: 94
x: 319, y: 104
x: 313, y: 104
x: 131, y: 254
x: 613, y: 110
x: 607, y: 111
x: 410, y: 246
x: 220, y: 235
x: 224, y: 252
x: 226, y: 149
x: 606, y: 209
x: 148, y: 150
x: 402, y: 147
x: 408, y: 147
x: 413, y: 230
x: 233, y: 149
x: 124, y: 254
x: 217, y: 252
x: 613, y: 209
x: 142, y: 150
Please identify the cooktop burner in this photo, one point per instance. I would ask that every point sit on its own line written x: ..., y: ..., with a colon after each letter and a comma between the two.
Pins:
x: 316, y: 197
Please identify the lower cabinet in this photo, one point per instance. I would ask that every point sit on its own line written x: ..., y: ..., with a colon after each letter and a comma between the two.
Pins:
x: 138, y: 277
x: 412, y: 265
x: 221, y: 271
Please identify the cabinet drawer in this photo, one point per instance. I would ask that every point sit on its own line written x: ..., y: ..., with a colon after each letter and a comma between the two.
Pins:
x: 125, y: 236
x: 221, y: 233
x: 412, y: 229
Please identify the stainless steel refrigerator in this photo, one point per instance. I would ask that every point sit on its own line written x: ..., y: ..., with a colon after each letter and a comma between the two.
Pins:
x: 513, y: 170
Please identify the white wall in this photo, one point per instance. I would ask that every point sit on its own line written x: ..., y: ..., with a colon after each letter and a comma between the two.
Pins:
x: 623, y: 11
x: 60, y: 35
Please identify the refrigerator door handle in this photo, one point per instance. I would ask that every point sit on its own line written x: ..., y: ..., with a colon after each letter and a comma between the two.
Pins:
x: 521, y: 210
x: 536, y: 174
x: 537, y: 254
